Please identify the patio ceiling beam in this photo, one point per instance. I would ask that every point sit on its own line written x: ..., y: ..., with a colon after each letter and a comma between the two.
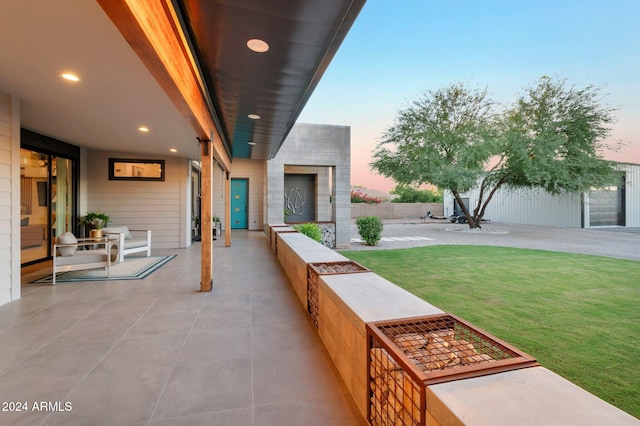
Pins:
x: 152, y: 29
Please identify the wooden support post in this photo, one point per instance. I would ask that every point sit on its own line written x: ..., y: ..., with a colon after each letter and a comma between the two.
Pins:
x: 227, y: 210
x: 206, y: 158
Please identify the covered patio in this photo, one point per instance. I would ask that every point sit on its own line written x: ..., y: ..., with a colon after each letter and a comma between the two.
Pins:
x: 157, y: 351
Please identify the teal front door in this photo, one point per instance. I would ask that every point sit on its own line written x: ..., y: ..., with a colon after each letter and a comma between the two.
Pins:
x: 239, y: 203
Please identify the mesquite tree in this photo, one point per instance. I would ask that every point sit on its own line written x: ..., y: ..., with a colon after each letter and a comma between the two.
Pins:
x: 551, y: 137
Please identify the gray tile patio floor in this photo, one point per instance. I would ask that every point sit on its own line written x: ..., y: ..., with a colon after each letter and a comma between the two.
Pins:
x: 158, y: 352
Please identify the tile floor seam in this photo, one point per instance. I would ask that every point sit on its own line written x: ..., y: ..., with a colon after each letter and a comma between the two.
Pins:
x: 57, y: 335
x: 47, y: 307
x: 253, y: 396
x: 252, y: 291
x: 175, y: 363
x: 102, y: 358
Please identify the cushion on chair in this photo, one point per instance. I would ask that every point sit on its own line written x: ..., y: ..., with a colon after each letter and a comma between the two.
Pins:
x: 67, y: 238
x: 119, y: 230
x: 134, y: 244
x: 83, y: 257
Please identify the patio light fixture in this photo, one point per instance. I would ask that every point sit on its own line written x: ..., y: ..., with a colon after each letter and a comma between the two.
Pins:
x: 257, y: 45
x: 70, y: 76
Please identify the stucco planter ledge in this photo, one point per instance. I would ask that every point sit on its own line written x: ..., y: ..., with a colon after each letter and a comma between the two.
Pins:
x: 308, y: 250
x: 295, y: 250
x: 531, y: 396
x: 368, y: 297
x: 346, y: 303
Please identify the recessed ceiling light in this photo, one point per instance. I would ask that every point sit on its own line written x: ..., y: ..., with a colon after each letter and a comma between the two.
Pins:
x: 258, y: 45
x: 70, y: 76
x: 251, y: 143
x: 173, y: 150
x: 143, y: 129
x: 254, y: 116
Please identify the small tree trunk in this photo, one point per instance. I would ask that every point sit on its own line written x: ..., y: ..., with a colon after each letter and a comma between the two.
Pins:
x: 470, y: 220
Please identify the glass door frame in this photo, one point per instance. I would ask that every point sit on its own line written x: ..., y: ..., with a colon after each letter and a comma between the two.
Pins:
x: 196, y: 210
x: 54, y: 148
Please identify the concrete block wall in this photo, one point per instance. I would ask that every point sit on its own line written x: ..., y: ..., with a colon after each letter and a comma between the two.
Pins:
x: 318, y: 146
x: 396, y: 210
x: 342, y: 206
x: 347, y: 302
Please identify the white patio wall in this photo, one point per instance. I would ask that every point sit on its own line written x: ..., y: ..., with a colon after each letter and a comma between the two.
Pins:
x: 9, y: 198
x: 161, y: 206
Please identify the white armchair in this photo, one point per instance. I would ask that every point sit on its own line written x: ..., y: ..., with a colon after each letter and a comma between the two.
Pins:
x: 129, y: 241
x: 72, y: 254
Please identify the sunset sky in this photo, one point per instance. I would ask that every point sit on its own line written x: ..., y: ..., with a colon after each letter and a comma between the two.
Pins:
x: 398, y: 49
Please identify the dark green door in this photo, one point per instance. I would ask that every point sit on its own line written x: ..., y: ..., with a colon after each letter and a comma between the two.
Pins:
x: 239, y: 203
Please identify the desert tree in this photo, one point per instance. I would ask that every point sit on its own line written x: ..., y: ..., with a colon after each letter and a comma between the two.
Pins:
x: 552, y: 137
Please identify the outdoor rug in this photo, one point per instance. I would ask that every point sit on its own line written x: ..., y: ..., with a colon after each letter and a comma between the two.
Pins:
x: 133, y: 268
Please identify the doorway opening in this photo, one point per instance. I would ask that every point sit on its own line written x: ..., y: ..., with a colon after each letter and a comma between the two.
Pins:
x: 607, y: 206
x: 47, y: 202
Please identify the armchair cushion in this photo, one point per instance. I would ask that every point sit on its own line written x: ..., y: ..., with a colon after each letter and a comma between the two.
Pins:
x: 118, y: 230
x: 83, y: 257
x: 96, y: 254
x: 67, y: 238
x: 131, y: 244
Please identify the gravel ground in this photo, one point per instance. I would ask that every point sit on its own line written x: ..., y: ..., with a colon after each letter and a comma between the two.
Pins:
x: 619, y: 242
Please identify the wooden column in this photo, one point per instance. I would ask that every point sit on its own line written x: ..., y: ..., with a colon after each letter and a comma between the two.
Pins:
x: 206, y: 158
x: 227, y: 210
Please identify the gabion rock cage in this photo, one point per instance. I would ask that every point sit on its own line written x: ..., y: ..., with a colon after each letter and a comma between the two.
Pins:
x: 407, y: 355
x: 273, y: 235
x: 314, y: 270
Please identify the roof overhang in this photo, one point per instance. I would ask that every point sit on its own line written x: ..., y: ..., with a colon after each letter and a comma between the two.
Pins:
x: 303, y: 37
x: 119, y: 90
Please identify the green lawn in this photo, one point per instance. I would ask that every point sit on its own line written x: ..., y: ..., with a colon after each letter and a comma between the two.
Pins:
x: 578, y: 315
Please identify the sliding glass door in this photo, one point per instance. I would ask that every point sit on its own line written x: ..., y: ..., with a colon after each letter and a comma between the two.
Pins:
x: 46, y: 202
x: 195, y: 204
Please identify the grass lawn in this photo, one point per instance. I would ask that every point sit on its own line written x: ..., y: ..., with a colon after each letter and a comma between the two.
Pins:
x: 578, y: 315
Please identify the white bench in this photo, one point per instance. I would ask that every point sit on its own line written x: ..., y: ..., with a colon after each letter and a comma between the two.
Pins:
x: 129, y: 241
x: 71, y: 254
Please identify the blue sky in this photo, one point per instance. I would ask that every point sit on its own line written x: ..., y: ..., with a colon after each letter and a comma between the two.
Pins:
x: 398, y: 49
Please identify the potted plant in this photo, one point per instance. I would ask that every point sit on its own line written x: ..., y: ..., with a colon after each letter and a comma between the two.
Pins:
x: 95, y: 221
